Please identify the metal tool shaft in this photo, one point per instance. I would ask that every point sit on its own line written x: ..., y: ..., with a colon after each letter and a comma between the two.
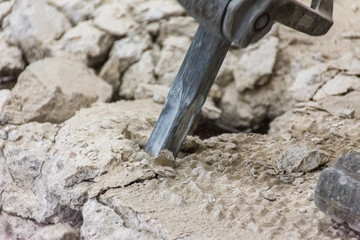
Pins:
x: 189, y: 91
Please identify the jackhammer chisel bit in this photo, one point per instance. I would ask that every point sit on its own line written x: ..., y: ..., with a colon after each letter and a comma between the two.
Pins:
x: 223, y: 22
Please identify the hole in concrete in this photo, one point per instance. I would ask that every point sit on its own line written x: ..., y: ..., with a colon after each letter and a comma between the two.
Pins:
x: 208, y: 129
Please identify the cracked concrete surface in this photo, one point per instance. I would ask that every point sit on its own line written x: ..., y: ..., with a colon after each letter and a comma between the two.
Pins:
x: 71, y: 159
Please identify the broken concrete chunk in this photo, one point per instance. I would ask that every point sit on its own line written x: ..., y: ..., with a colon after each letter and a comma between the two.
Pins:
x: 152, y: 10
x: 339, y: 85
x: 12, y: 63
x: 76, y: 10
x: 85, y: 43
x: 34, y: 24
x: 155, y: 92
x: 173, y: 48
x: 300, y: 158
x: 115, y: 18
x: 59, y: 88
x: 112, y: 136
x: 102, y: 222
x: 140, y: 72
x: 60, y: 231
x: 308, y: 82
x: 256, y: 65
x: 346, y: 106
x: 5, y: 9
x: 123, y: 54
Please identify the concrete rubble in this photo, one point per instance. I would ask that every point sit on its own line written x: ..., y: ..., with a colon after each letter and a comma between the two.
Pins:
x: 82, y: 84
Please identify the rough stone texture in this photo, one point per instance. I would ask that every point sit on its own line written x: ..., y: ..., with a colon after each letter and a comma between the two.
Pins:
x: 115, y: 133
x: 58, y: 88
x: 140, y: 72
x: 173, y: 48
x: 5, y: 9
x: 256, y: 66
x: 85, y: 43
x: 339, y: 85
x: 13, y: 64
x: 157, y: 9
x: 123, y: 54
x: 88, y: 177
x: 116, y: 19
x: 301, y: 159
x: 76, y: 10
x: 34, y: 24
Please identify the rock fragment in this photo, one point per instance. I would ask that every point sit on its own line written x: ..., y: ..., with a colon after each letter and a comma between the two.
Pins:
x: 308, y: 82
x: 123, y: 54
x: 12, y: 64
x: 346, y: 106
x: 85, y: 43
x: 140, y: 72
x: 148, y: 11
x: 339, y: 85
x: 299, y: 158
x: 155, y: 92
x: 256, y: 65
x: 115, y: 18
x: 59, y: 88
x: 173, y: 48
x: 76, y: 10
x: 34, y: 25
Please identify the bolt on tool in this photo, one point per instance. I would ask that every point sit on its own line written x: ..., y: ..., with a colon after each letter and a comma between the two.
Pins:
x: 223, y: 22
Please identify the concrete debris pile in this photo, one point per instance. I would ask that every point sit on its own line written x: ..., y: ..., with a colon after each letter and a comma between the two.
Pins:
x: 82, y: 84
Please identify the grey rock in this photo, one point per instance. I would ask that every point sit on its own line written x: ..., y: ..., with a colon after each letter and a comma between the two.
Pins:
x: 76, y: 10
x: 123, y: 54
x: 84, y: 43
x: 140, y: 72
x: 299, y: 158
x: 115, y: 18
x: 51, y: 90
x: 34, y: 25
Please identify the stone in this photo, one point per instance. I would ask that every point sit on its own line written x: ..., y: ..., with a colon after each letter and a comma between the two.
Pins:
x: 13, y: 63
x: 5, y: 9
x: 307, y: 82
x: 102, y: 222
x: 346, y: 106
x: 299, y: 158
x: 85, y: 43
x: 178, y: 26
x: 77, y: 10
x: 157, y: 93
x: 34, y: 25
x: 140, y: 72
x: 59, y: 88
x: 24, y: 193
x: 173, y: 48
x: 115, y: 18
x: 101, y: 138
x: 58, y: 231
x: 339, y: 85
x: 256, y: 64
x: 153, y: 10
x: 123, y: 54
x: 269, y: 195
